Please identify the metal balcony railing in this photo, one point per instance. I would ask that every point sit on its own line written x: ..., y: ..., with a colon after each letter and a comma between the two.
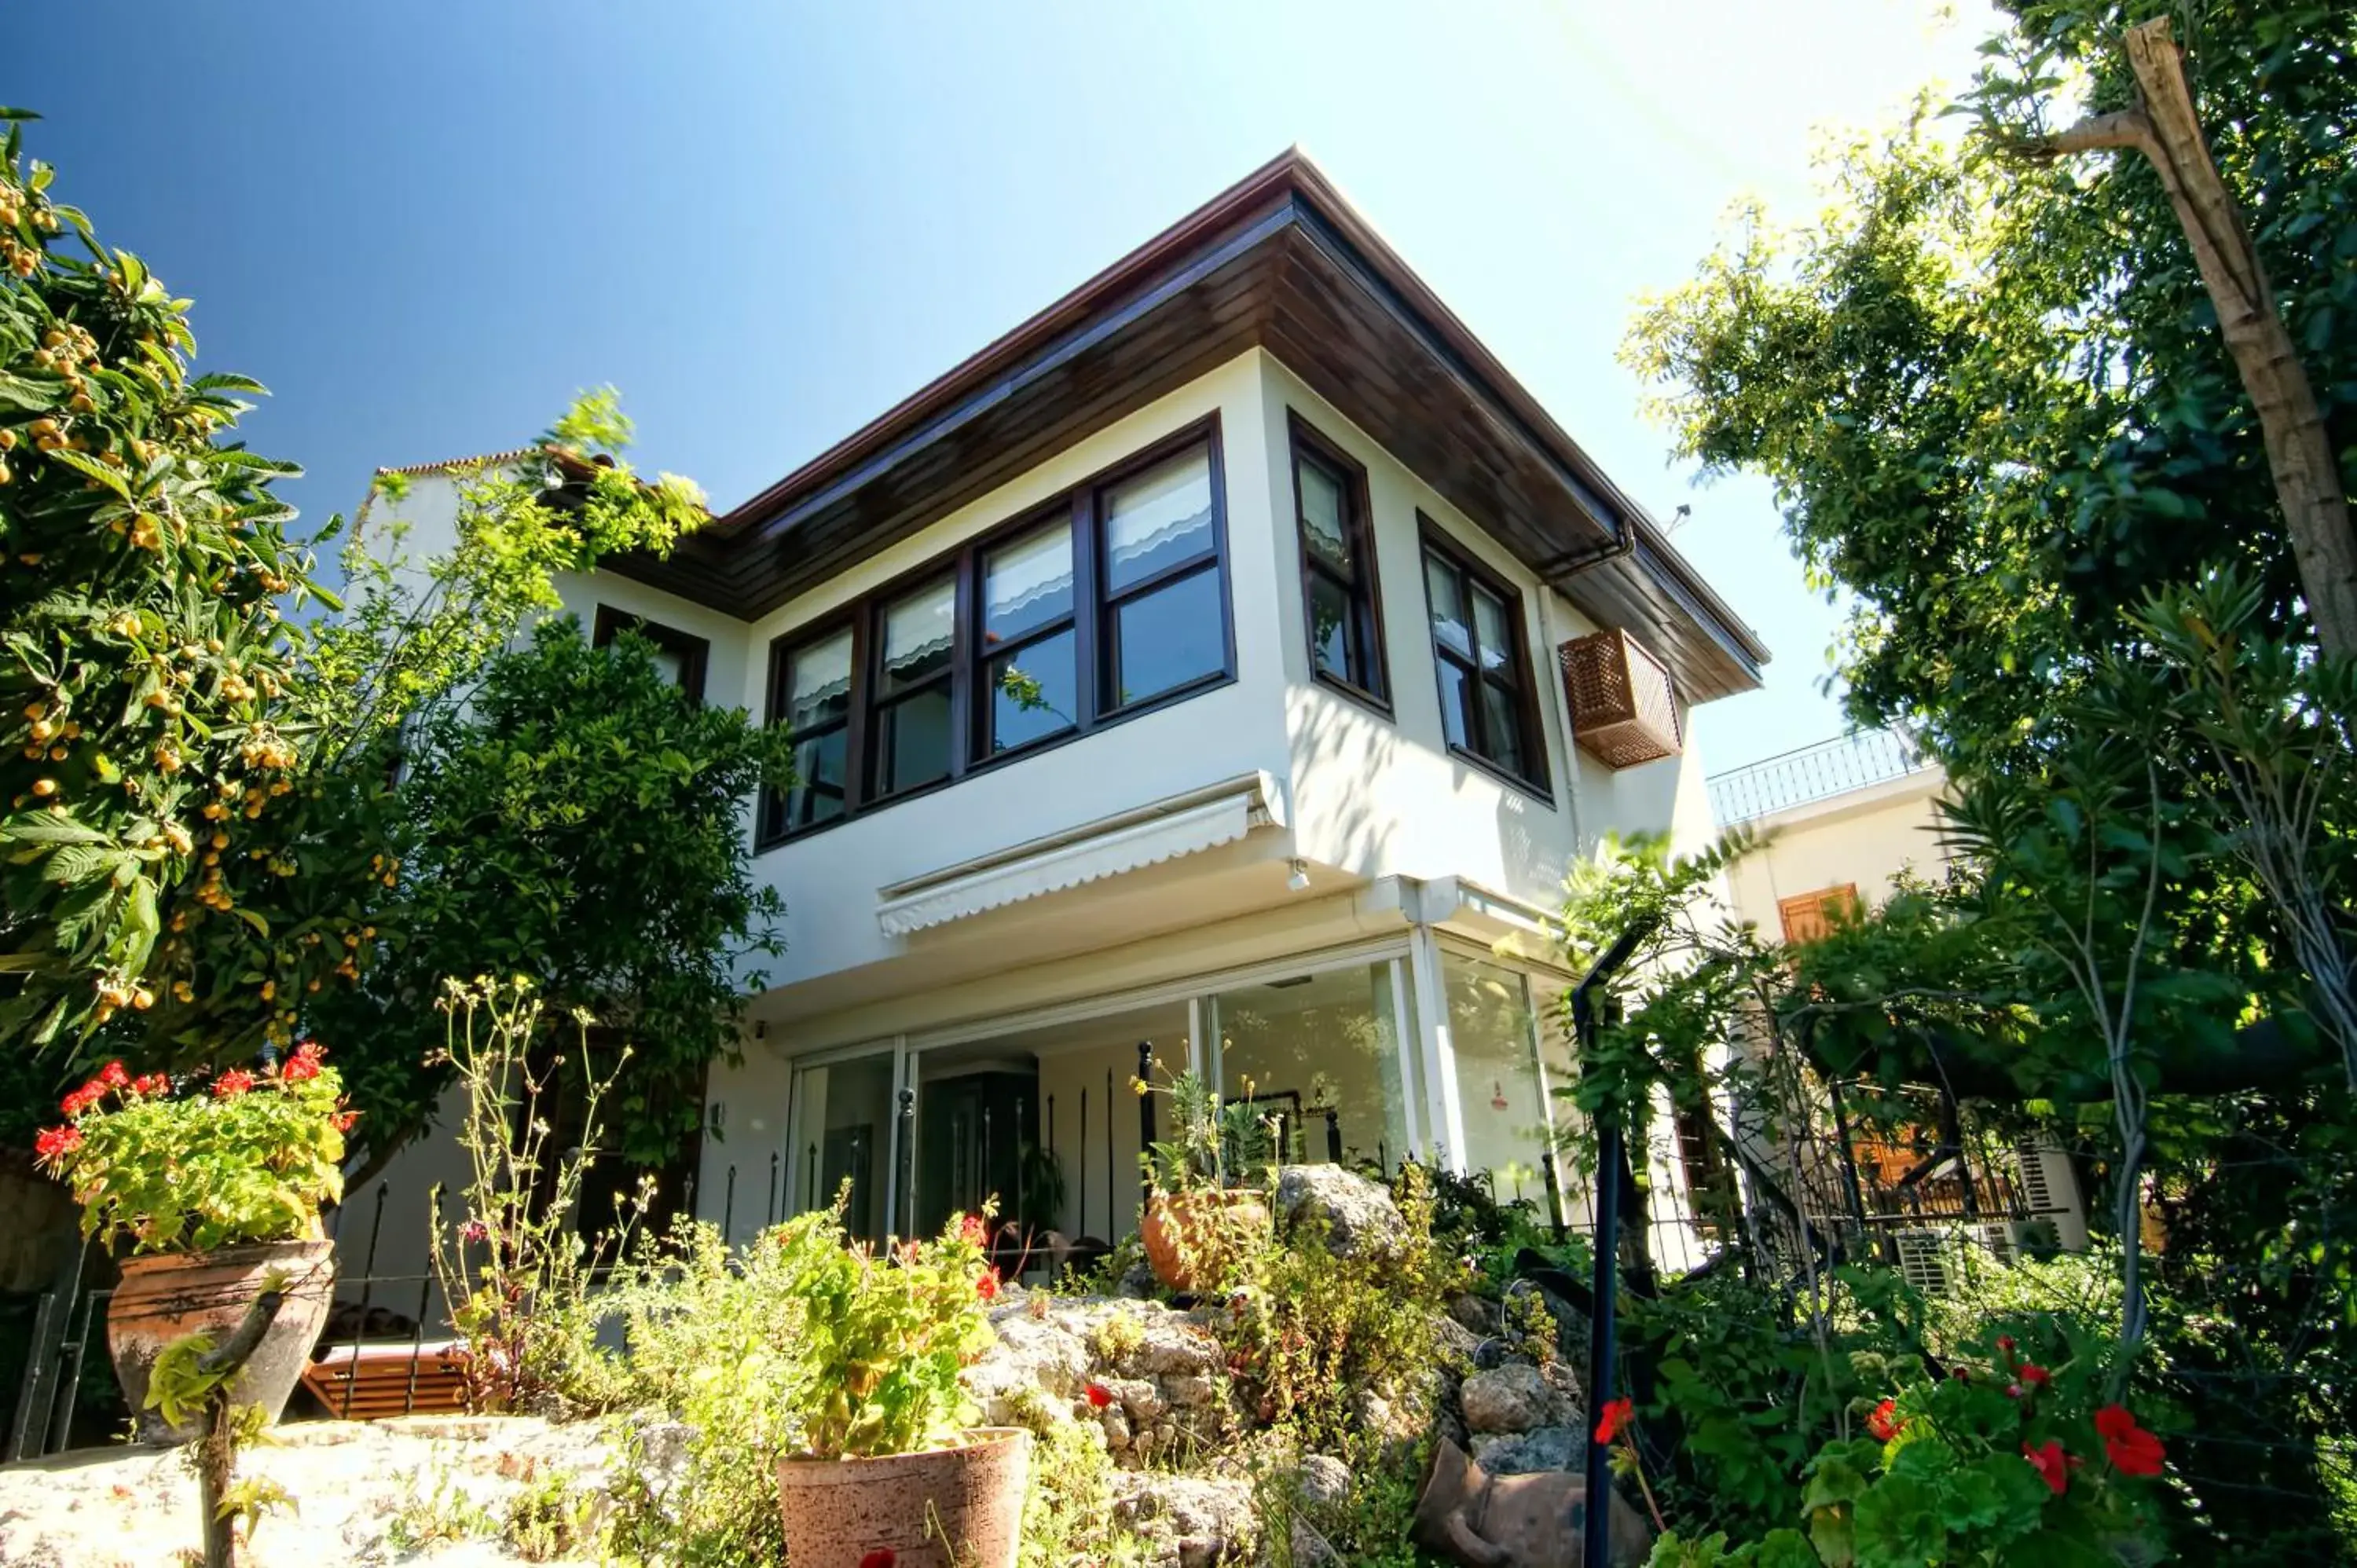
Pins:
x: 1813, y: 773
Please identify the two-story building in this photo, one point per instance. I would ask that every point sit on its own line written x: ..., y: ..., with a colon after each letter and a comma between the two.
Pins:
x: 1226, y: 660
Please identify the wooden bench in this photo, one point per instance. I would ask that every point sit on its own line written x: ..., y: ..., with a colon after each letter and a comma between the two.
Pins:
x: 382, y: 1380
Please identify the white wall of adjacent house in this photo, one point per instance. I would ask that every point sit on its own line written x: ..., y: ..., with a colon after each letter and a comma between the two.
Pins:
x: 1863, y: 838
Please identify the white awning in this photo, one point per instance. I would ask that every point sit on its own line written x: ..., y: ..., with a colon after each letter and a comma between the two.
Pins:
x: 1182, y: 824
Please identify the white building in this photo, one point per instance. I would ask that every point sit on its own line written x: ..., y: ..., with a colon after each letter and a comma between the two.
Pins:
x: 1181, y: 670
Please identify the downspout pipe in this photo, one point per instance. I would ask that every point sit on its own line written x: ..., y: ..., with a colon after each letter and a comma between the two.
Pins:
x: 1612, y: 1157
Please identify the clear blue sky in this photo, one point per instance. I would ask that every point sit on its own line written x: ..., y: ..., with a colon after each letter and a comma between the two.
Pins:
x: 424, y: 226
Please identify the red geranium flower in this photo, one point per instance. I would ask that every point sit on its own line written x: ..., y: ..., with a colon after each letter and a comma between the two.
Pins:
x: 2132, y: 1450
x: 309, y: 1050
x: 2031, y: 1372
x: 1617, y: 1414
x: 233, y: 1083
x: 986, y: 1287
x: 342, y: 1120
x: 152, y: 1083
x: 2005, y: 1343
x: 81, y: 1099
x: 970, y: 1228
x: 1100, y: 1396
x: 300, y: 1068
x: 1883, y: 1421
x: 2053, y: 1465
x: 111, y: 1075
x: 55, y: 1142
x: 882, y: 1557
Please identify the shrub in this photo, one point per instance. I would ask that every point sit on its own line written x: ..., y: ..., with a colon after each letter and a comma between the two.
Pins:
x: 1067, y: 1515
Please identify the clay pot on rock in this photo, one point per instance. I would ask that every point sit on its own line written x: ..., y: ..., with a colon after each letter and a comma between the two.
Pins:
x: 1465, y: 1515
x: 1192, y: 1234
x: 948, y: 1508
x: 167, y: 1295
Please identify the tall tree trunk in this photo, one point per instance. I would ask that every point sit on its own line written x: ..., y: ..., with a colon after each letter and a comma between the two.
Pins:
x: 2165, y: 129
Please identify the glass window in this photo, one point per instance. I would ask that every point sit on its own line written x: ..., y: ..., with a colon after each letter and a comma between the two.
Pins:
x: 1321, y: 1054
x: 1035, y: 690
x: 1158, y: 520
x: 1337, y: 566
x: 1501, y: 1089
x: 1002, y: 649
x: 910, y: 725
x: 678, y: 658
x: 843, y: 1119
x: 1168, y: 637
x: 1486, y: 706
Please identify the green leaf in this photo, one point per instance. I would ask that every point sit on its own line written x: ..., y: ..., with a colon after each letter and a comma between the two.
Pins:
x: 91, y: 468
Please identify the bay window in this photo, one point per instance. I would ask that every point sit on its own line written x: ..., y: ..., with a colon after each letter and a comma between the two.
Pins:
x: 1108, y: 602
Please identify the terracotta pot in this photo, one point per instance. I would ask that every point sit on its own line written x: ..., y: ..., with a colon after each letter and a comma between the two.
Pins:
x: 949, y: 1507
x: 1188, y: 1233
x: 169, y: 1295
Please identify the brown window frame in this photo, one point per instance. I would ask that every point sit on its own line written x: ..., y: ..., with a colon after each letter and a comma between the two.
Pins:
x: 1435, y: 543
x: 1093, y: 622
x: 1363, y: 588
x: 695, y: 653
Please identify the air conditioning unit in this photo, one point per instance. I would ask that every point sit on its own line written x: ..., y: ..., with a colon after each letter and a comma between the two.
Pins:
x: 1923, y: 1259
x: 2049, y: 1190
x: 1624, y: 708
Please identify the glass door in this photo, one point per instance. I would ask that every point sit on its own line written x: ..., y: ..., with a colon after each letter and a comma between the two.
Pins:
x: 841, y: 1134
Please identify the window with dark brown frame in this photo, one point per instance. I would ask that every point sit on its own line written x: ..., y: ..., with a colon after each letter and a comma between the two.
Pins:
x: 1488, y: 709
x: 683, y: 657
x: 1109, y: 602
x: 1339, y: 586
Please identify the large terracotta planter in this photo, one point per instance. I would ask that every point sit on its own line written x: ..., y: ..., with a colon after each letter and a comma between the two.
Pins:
x: 1191, y: 1236
x: 169, y: 1295
x: 950, y: 1507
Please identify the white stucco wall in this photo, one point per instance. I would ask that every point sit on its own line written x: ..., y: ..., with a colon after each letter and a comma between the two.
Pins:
x: 1383, y: 795
x: 1865, y: 836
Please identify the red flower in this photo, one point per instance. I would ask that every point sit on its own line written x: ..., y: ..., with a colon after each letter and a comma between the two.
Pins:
x: 111, y: 1075
x: 56, y: 1143
x: 152, y: 1083
x: 1883, y: 1421
x: 1100, y: 1396
x: 986, y: 1287
x: 882, y: 1557
x: 1617, y: 1414
x: 82, y: 1099
x: 2005, y: 1343
x: 972, y: 1230
x: 1961, y: 1374
x: 342, y: 1120
x: 2031, y: 1372
x: 233, y: 1083
x: 310, y: 1051
x: 2132, y: 1450
x: 300, y: 1068
x: 2053, y: 1465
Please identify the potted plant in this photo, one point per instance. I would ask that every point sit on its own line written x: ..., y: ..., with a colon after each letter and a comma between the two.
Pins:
x: 215, y: 1183
x: 887, y: 1470
x: 1207, y: 1201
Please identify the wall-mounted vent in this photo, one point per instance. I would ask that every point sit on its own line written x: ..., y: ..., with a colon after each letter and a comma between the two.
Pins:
x: 1624, y: 710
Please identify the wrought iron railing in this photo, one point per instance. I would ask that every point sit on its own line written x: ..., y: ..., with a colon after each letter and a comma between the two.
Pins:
x: 1813, y: 773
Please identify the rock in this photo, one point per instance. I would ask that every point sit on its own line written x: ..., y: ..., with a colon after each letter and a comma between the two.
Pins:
x: 1197, y: 1520
x: 1456, y: 1340
x: 1478, y: 1316
x: 1311, y: 1550
x: 1116, y: 1421
x: 1512, y: 1398
x: 1324, y: 1480
x: 1357, y: 1217
x: 1138, y: 1283
x: 1138, y: 1397
x: 1191, y: 1391
x: 1173, y: 1347
x: 1524, y: 1454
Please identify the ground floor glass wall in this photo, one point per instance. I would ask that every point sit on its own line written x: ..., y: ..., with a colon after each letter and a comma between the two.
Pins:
x: 1320, y: 1053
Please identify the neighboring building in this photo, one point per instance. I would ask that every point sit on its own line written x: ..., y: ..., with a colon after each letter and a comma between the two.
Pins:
x: 1181, y: 670
x: 1839, y: 822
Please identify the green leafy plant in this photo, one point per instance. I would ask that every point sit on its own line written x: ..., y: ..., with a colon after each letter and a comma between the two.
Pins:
x: 1068, y: 1517
x: 1214, y: 1144
x: 168, y: 1167
x: 513, y: 1266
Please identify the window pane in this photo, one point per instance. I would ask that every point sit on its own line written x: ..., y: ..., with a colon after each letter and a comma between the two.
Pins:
x: 1169, y: 636
x: 1324, y: 528
x: 1455, y: 697
x: 1499, y: 1087
x: 818, y: 682
x: 1313, y: 1044
x: 1159, y: 518
x: 817, y: 795
x: 917, y: 635
x: 1035, y: 692
x: 1495, y: 627
x: 671, y: 665
x: 912, y: 741
x: 1448, y: 609
x: 1501, y: 714
x: 843, y: 1124
x: 1329, y: 628
x: 1027, y: 584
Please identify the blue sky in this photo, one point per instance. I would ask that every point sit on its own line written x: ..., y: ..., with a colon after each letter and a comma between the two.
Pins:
x: 425, y: 226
